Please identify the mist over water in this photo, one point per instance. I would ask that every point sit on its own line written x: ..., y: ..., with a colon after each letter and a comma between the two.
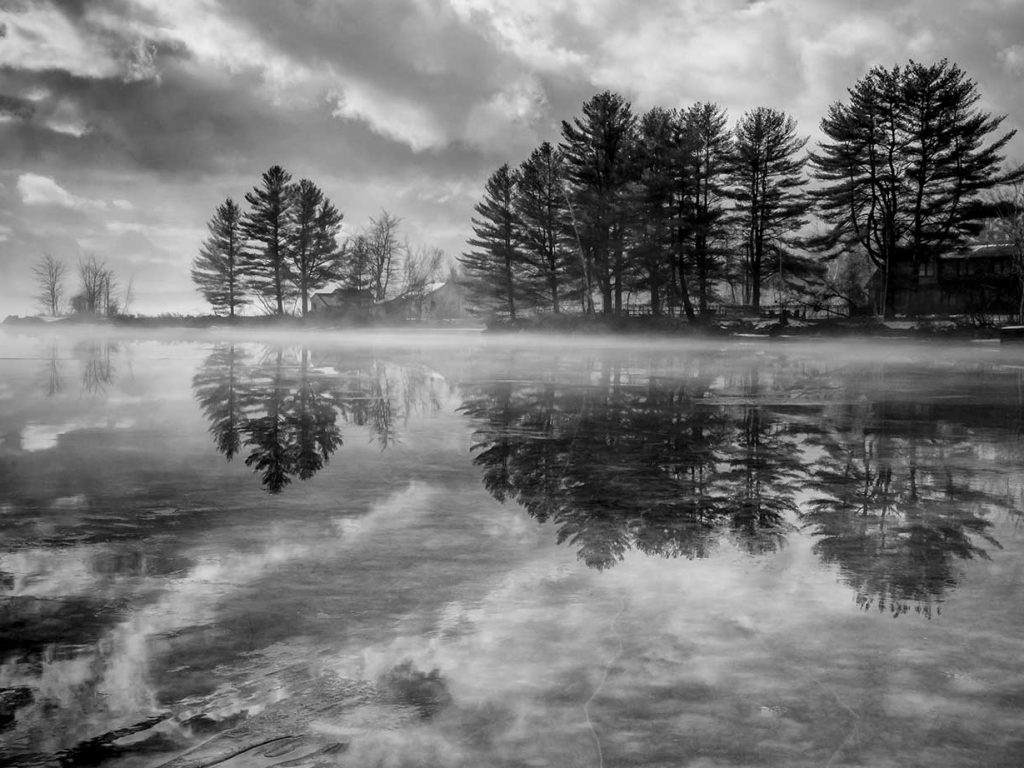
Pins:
x: 460, y: 549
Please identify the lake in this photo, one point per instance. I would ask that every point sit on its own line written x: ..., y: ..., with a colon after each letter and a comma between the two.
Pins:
x: 452, y: 549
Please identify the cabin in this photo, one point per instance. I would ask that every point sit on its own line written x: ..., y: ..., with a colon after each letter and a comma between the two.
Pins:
x: 434, y: 302
x: 342, y: 304
x: 980, y: 279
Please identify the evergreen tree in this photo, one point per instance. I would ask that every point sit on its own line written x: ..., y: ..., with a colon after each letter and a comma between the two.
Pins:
x: 356, y: 269
x: 217, y: 270
x: 656, y: 156
x: 541, y: 211
x: 313, y: 245
x: 495, y: 267
x: 767, y: 181
x: 905, y: 160
x: 598, y: 163
x: 710, y: 145
x: 268, y: 226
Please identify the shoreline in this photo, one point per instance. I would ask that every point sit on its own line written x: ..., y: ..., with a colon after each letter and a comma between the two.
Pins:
x: 944, y: 328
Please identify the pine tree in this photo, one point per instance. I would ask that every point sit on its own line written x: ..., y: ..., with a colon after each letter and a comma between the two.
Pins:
x: 267, y: 226
x: 356, y: 272
x: 598, y: 164
x: 313, y: 246
x: 495, y: 267
x: 709, y: 142
x: 541, y: 211
x: 217, y: 271
x: 652, y: 201
x: 767, y: 180
x: 903, y: 166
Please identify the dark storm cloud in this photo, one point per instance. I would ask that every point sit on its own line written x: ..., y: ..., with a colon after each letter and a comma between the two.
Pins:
x: 16, y: 107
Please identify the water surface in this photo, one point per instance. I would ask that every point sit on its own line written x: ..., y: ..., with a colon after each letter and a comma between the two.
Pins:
x: 456, y: 550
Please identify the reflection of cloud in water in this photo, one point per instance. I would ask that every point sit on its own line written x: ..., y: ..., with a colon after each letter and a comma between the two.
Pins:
x: 707, y: 660
x: 41, y: 437
x: 110, y: 684
x: 396, y: 510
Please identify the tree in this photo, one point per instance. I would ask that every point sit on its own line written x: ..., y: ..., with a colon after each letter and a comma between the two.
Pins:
x: 1007, y: 206
x: 541, y: 211
x: 49, y: 278
x: 268, y: 226
x: 494, y: 267
x: 313, y: 240
x: 767, y: 180
x: 707, y: 157
x: 652, y: 200
x: 904, y: 163
x: 355, y: 269
x: 97, y: 294
x: 218, y: 271
x: 421, y: 267
x: 384, y: 251
x: 597, y: 157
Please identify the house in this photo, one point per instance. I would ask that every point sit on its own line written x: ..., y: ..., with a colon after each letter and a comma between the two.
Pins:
x: 433, y: 302
x: 979, y: 279
x: 342, y: 303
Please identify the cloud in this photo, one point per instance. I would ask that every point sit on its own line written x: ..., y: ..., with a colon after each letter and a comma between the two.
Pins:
x: 40, y: 37
x: 407, y: 105
x: 393, y: 116
x: 1012, y: 59
x: 12, y: 107
x: 42, y: 190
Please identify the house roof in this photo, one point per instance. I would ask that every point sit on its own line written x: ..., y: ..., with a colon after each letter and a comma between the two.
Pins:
x: 340, y: 296
x: 982, y: 251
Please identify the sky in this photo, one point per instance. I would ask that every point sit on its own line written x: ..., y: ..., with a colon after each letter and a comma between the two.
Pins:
x: 124, y: 123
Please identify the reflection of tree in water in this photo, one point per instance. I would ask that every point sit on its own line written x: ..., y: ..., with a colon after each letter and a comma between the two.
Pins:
x: 285, y: 409
x: 616, y: 464
x: 53, y: 375
x: 98, y: 369
x: 219, y: 388
x: 667, y: 465
x: 895, y: 510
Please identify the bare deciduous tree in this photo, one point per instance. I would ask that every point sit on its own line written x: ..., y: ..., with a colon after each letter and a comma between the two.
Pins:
x: 98, y: 290
x: 49, y: 276
x: 422, y: 266
x: 1007, y: 205
x: 385, y: 253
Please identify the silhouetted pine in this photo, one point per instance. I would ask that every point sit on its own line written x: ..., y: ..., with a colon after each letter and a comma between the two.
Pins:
x: 597, y: 150
x: 355, y: 266
x: 218, y: 269
x: 549, y: 250
x: 709, y: 147
x: 766, y: 186
x: 651, y: 243
x: 495, y: 269
x: 313, y: 246
x: 905, y: 160
x: 268, y: 227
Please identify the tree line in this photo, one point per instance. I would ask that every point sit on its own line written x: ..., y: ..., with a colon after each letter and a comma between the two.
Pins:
x: 100, y: 291
x: 673, y: 204
x: 285, y: 246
